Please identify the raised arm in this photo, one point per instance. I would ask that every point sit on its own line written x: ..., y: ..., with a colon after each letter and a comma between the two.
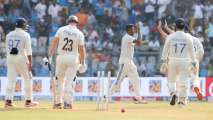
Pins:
x: 165, y: 52
x: 160, y: 30
x: 170, y: 31
x: 138, y: 41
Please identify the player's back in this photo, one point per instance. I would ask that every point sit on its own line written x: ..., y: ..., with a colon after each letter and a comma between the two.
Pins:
x: 19, y: 39
x: 180, y: 44
x: 70, y: 37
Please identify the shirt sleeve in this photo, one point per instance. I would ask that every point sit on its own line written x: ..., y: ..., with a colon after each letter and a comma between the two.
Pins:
x: 200, y: 50
x: 81, y: 38
x: 191, y: 49
x: 57, y: 34
x: 28, y: 45
x: 200, y: 46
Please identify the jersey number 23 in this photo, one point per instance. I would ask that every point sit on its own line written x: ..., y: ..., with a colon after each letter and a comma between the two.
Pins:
x: 68, y: 44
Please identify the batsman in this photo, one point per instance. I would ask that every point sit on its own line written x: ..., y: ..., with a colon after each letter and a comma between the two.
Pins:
x: 69, y: 41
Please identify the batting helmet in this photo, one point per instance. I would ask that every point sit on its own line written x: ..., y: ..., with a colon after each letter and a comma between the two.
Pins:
x: 72, y: 18
x: 180, y: 23
x: 21, y: 23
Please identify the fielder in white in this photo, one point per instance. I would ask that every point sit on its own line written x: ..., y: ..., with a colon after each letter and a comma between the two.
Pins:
x: 69, y: 41
x: 199, y: 51
x: 19, y: 62
x: 178, y: 49
x: 127, y: 66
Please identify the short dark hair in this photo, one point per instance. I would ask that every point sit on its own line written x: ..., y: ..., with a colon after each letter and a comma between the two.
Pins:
x: 21, y: 23
x: 129, y: 26
x: 180, y: 23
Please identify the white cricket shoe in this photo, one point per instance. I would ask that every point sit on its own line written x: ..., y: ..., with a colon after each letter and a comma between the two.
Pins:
x: 139, y: 101
x: 181, y: 104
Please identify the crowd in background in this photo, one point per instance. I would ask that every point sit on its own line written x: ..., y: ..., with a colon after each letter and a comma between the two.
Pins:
x: 103, y: 23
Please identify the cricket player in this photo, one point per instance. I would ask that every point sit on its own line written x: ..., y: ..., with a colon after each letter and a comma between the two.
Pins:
x: 69, y: 41
x: 127, y: 66
x: 19, y: 62
x: 178, y: 49
x: 199, y: 51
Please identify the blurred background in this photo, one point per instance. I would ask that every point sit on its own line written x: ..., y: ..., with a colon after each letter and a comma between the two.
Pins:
x: 103, y: 23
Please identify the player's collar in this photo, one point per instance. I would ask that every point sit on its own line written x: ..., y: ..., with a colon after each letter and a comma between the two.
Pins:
x: 129, y: 35
x: 72, y: 26
x: 19, y: 29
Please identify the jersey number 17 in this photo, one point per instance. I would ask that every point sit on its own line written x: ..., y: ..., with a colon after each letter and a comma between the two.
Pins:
x: 179, y: 47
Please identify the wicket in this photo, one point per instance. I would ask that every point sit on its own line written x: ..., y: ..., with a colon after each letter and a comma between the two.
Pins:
x: 103, y: 90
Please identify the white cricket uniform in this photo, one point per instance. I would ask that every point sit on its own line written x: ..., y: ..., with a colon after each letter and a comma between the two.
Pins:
x: 199, y: 51
x: 127, y: 66
x: 67, y: 61
x: 179, y: 50
x: 17, y: 64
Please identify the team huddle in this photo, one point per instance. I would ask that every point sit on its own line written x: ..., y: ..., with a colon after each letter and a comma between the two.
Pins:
x: 180, y: 61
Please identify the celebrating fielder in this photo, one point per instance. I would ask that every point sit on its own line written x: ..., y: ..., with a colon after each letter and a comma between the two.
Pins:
x: 70, y: 58
x: 19, y: 61
x: 178, y: 49
x: 127, y: 66
x: 199, y: 51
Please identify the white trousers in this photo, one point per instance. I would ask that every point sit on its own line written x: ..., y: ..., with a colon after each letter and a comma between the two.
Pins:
x: 129, y: 70
x: 178, y: 72
x: 195, y: 77
x: 17, y: 65
x: 66, y: 69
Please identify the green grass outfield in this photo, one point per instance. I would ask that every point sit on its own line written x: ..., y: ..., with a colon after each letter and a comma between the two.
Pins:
x: 87, y: 111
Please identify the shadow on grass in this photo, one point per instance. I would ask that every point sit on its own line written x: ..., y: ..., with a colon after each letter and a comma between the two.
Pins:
x: 20, y: 109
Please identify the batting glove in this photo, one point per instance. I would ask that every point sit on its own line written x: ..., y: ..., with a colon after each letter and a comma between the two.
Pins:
x: 82, y: 68
x: 47, y: 60
x: 163, y: 67
x: 193, y: 67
